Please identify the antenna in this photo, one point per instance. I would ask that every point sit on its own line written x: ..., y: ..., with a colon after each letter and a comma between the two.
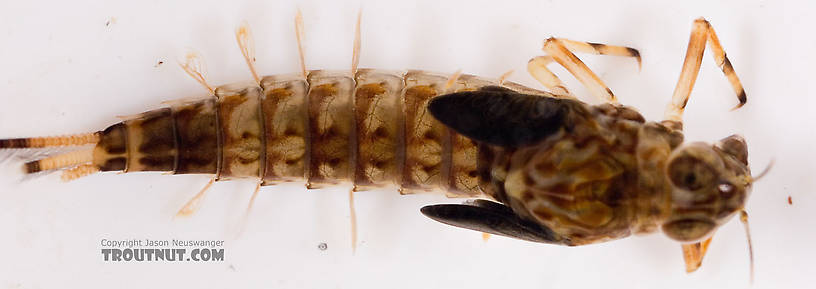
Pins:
x: 744, y: 220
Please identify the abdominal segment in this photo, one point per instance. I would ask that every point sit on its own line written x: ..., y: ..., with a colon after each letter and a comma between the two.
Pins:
x: 371, y: 130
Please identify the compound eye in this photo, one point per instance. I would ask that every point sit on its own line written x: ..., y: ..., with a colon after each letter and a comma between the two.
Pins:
x: 691, y: 174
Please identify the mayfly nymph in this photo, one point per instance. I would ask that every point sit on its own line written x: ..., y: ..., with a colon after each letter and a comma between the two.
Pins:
x: 548, y: 167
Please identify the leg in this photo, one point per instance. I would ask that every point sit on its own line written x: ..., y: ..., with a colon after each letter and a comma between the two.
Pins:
x: 247, y: 45
x: 700, y: 33
x: 537, y: 67
x: 693, y: 254
x: 601, y: 49
x: 560, y: 50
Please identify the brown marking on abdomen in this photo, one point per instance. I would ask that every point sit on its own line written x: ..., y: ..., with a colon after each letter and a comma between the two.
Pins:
x: 196, y: 137
x: 151, y: 141
x: 331, y: 127
x: 284, y: 108
x: 110, y: 153
x: 378, y: 106
x: 240, y: 123
x: 424, y: 135
x: 464, y: 178
x: 113, y: 164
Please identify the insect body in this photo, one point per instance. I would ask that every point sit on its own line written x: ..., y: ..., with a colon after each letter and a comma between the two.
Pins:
x: 561, y: 171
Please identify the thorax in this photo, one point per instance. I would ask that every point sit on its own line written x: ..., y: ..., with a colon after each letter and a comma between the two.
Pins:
x: 599, y: 180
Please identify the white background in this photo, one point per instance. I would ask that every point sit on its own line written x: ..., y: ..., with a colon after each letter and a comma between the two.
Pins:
x: 63, y: 70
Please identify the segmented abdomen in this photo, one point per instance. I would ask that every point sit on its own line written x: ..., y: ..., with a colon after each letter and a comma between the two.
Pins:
x: 371, y: 130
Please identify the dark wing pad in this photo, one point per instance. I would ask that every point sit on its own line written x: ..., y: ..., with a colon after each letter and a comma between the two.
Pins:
x: 493, y: 218
x: 500, y: 116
